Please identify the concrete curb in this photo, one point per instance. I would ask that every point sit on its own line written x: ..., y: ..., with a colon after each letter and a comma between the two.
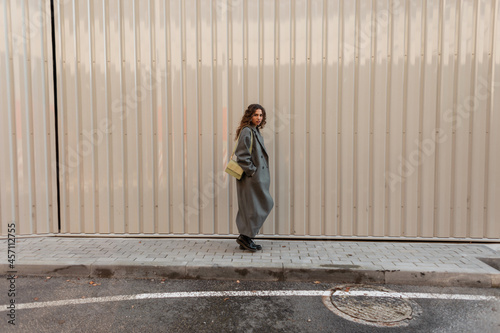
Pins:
x: 257, y: 272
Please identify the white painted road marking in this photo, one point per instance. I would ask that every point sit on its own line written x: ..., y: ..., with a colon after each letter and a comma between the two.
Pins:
x: 257, y: 293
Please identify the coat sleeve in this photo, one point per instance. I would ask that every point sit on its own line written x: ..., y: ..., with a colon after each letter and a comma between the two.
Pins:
x: 243, y: 156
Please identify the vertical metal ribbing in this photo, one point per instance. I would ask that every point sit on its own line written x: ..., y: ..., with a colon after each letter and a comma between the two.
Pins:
x: 324, y: 62
x: 213, y: 112
x: 355, y: 183
x: 390, y: 32
x: 182, y: 49
x: 46, y: 126
x: 471, y: 122
x: 339, y: 118
x: 423, y: 47
x: 454, y: 120
x: 61, y: 125
x: 371, y: 159
x: 229, y: 45
x: 198, y: 109
x: 14, y: 197
x: 95, y: 182
x: 153, y: 83
x: 168, y: 117
x: 491, y: 72
x: 292, y: 113
x: 213, y: 108
x: 109, y: 136
x: 438, y: 119
x: 228, y: 130
x: 404, y: 187
x: 276, y: 72
x: 28, y: 134
x: 138, y: 117
x: 307, y: 168
x: 260, y: 43
x: 124, y: 152
x: 244, y: 91
x: 80, y: 211
x: 304, y: 84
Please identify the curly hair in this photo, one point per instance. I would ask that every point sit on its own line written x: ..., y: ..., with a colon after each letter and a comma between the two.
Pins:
x: 246, y: 120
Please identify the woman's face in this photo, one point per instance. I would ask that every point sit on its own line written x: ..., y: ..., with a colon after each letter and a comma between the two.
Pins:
x: 257, y: 117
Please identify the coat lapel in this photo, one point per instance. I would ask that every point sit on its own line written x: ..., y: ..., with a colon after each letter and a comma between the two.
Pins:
x: 260, y: 139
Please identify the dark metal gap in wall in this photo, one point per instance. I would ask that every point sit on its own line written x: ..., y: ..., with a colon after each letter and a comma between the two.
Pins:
x: 56, y: 120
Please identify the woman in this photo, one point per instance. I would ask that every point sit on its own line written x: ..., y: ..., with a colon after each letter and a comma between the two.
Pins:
x: 254, y: 201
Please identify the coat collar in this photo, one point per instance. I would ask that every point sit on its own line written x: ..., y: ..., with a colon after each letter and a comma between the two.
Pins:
x: 259, y: 137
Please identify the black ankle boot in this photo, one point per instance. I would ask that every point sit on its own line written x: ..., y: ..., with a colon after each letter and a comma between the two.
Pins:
x: 246, y: 243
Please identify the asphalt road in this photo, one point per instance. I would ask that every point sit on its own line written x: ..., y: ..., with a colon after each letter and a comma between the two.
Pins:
x: 85, y: 305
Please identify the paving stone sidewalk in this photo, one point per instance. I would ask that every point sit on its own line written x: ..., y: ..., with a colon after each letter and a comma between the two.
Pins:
x: 293, y: 260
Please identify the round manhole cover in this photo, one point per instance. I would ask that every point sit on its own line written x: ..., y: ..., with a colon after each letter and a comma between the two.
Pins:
x: 369, y: 305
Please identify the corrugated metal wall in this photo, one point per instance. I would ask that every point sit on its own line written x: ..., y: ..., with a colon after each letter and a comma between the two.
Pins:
x: 383, y: 116
x: 28, y: 189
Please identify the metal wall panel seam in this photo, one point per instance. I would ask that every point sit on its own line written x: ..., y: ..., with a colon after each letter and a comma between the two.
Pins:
x: 423, y: 52
x: 230, y: 92
x: 490, y: 103
x: 45, y: 108
x: 494, y: 87
x: 124, y: 151
x: 95, y: 184
x: 227, y: 130
x: 182, y: 49
x: 324, y: 68
x: 211, y: 107
x: 454, y: 119
x: 14, y: 183
x: 154, y: 109
x: 217, y: 89
x: 437, y: 151
x: 307, y: 123
x: 390, y: 33
x: 473, y: 79
x: 488, y: 119
x: 339, y: 116
x: 292, y: 114
x: 260, y: 52
x: 138, y: 114
x: 29, y: 154
x: 479, y: 122
x: 279, y: 220
x: 167, y: 152
x: 331, y: 126
x: 355, y: 117
x: 244, y: 92
x: 199, y: 108
x: 462, y: 136
x: 198, y: 67
x: 291, y: 88
x: 62, y: 119
x: 371, y: 158
x: 276, y: 96
x: 78, y: 120
x: 275, y: 147
x: 214, y: 93
x: 109, y: 137
x: 403, y: 220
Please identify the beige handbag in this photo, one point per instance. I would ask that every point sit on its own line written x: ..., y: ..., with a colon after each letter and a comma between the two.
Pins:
x: 232, y: 167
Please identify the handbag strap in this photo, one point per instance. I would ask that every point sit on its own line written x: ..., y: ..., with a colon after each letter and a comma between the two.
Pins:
x: 251, y: 142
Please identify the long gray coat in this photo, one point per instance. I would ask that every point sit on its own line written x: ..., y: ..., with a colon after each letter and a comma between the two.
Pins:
x: 254, y: 201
